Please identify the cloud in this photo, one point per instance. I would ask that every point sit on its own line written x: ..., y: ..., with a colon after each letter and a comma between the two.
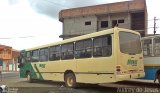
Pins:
x: 21, y: 27
x: 52, y: 7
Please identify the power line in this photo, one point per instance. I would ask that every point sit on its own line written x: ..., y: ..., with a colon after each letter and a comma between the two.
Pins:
x: 6, y: 38
x: 55, y: 3
x: 17, y: 37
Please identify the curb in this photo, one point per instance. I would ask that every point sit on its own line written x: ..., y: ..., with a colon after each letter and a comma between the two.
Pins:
x: 10, y: 72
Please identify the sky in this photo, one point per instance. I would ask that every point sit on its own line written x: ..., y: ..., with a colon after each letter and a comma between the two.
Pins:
x: 29, y: 23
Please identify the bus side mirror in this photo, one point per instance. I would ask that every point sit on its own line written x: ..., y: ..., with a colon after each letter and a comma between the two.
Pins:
x: 19, y: 59
x: 20, y: 65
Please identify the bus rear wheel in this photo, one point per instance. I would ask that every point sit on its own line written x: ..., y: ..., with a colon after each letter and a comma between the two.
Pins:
x: 29, y: 78
x: 70, y: 80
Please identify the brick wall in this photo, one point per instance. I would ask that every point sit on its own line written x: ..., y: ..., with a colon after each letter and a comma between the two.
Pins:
x: 104, y: 8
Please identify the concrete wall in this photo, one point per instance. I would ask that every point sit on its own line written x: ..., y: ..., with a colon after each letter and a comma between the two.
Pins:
x: 13, y: 65
x: 4, y: 67
x: 10, y: 65
x: 125, y: 17
x: 76, y: 25
x: 116, y: 16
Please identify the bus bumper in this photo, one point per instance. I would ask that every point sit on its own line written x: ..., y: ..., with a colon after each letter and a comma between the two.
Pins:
x: 129, y: 76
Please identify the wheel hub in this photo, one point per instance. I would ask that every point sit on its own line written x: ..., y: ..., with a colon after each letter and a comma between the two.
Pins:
x: 70, y: 81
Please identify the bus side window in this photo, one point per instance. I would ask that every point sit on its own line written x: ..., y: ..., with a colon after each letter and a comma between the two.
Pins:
x: 35, y: 55
x: 147, y: 47
x: 83, y: 48
x: 54, y: 53
x: 67, y: 51
x: 102, y: 46
x: 43, y: 54
x: 28, y: 56
x: 157, y: 46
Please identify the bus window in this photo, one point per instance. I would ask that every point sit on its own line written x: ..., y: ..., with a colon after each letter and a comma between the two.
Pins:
x: 102, y: 46
x: 43, y: 54
x: 83, y: 49
x: 54, y: 53
x: 35, y: 56
x: 67, y: 51
x: 157, y: 46
x: 129, y: 43
x: 28, y: 56
x: 147, y: 47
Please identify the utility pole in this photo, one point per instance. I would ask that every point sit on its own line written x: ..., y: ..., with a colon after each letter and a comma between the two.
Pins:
x: 155, y: 25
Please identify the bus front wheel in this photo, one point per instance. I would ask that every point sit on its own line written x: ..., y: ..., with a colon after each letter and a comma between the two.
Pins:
x: 70, y: 80
x: 158, y: 77
x: 29, y: 78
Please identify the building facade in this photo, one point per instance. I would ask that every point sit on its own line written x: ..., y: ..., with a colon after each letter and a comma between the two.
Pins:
x: 84, y: 20
x: 8, y: 58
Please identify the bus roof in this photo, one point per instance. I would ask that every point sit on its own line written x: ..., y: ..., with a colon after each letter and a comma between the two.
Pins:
x: 103, y: 32
x: 149, y: 37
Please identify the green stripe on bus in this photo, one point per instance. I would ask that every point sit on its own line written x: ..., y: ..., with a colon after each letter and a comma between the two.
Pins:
x: 37, y: 70
x: 28, y: 67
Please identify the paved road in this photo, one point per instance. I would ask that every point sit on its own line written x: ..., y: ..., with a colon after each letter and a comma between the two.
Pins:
x: 10, y: 75
x: 20, y: 85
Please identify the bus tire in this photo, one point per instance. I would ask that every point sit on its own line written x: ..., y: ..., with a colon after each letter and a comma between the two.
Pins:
x: 158, y: 77
x: 29, y: 78
x: 1, y: 90
x: 70, y: 80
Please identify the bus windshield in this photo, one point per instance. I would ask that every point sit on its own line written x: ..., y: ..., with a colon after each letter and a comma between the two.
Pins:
x: 129, y: 43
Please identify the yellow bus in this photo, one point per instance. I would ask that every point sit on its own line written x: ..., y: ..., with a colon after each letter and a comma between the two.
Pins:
x: 106, y: 56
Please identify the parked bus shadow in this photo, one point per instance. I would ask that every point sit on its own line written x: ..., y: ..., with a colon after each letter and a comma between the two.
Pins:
x: 82, y: 88
x: 48, y: 82
x: 138, y: 83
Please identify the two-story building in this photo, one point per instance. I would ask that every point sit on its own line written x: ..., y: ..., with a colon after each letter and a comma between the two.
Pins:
x: 84, y: 20
x: 8, y: 58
